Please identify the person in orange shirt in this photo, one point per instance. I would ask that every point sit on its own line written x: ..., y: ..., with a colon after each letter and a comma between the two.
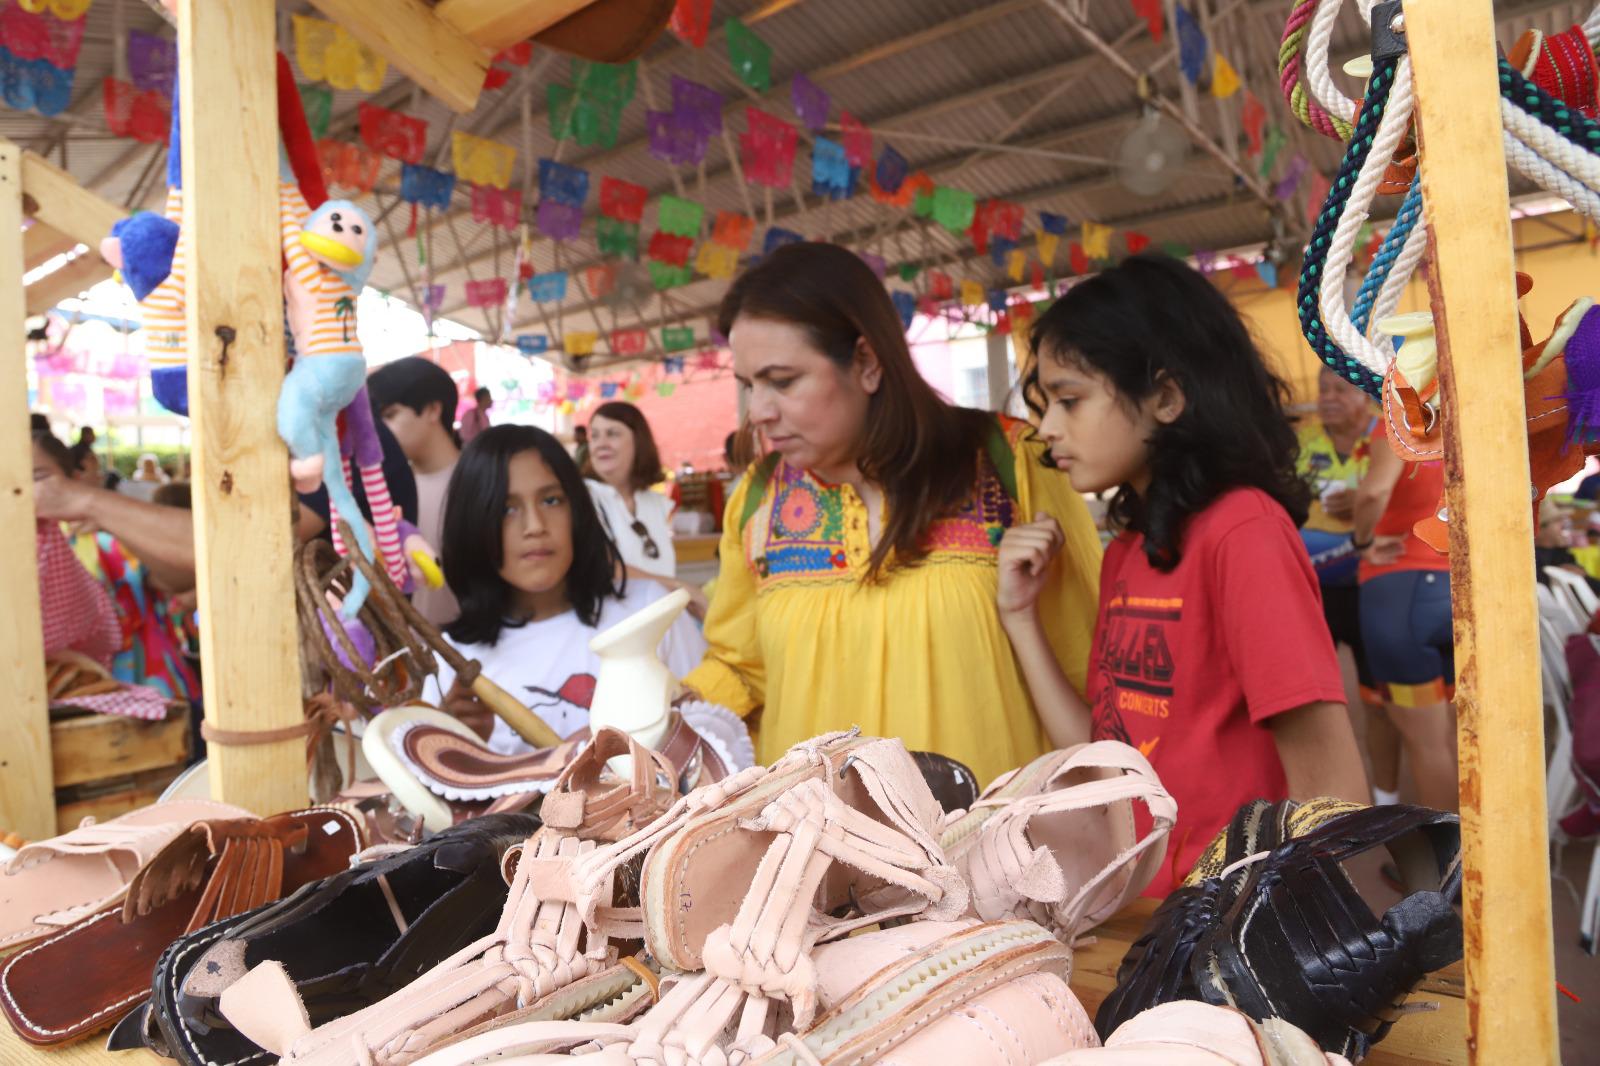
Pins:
x: 1405, y: 614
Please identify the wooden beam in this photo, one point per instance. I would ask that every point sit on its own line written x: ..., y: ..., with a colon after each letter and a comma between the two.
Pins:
x: 425, y: 48
x: 243, y: 544
x: 83, y: 273
x: 41, y: 243
x: 497, y: 24
x: 27, y: 800
x: 61, y: 203
x: 1506, y: 889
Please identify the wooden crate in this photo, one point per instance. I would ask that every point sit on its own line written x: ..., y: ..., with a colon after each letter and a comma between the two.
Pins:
x: 105, y: 765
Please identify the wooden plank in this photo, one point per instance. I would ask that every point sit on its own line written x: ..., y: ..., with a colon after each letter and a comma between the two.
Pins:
x: 61, y: 203
x: 103, y: 801
x: 248, y: 639
x: 1506, y: 891
x: 426, y: 49
x: 92, y: 747
x: 84, y: 272
x: 26, y: 803
x: 497, y: 24
x: 41, y: 243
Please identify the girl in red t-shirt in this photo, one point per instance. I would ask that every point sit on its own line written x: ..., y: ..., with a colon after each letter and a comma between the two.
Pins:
x: 1210, y: 653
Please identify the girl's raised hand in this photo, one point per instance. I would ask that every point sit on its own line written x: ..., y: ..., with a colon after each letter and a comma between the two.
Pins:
x: 1026, y: 553
x: 461, y: 702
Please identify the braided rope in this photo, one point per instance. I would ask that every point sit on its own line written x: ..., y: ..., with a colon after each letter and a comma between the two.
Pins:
x: 1388, y: 254
x: 1575, y: 127
x: 1307, y: 110
x: 1338, y: 104
x: 1356, y: 154
x: 1551, y: 178
x: 1591, y: 26
x: 1392, y: 130
x: 1394, y: 286
x: 1550, y: 144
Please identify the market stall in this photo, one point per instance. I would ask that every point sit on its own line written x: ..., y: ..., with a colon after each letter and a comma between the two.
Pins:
x: 1496, y: 1006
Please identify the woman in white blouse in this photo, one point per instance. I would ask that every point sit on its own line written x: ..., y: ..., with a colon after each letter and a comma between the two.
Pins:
x: 623, y: 465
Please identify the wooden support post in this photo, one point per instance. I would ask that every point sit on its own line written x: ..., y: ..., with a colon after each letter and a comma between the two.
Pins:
x: 243, y: 547
x: 497, y: 24
x: 27, y: 800
x: 84, y: 272
x: 1506, y: 895
x: 64, y: 205
x: 42, y: 243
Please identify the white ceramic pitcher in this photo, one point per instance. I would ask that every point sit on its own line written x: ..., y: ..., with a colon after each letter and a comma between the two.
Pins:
x: 634, y: 689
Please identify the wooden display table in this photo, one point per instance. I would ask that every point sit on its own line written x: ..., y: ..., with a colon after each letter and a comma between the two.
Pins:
x: 1438, y: 1038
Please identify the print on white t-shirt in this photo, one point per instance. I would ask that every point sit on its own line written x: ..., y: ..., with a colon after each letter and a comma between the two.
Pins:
x: 548, y: 665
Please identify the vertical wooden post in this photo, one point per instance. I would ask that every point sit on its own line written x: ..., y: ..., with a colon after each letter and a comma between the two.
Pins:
x: 243, y: 545
x: 27, y: 800
x: 997, y: 371
x: 1506, y: 893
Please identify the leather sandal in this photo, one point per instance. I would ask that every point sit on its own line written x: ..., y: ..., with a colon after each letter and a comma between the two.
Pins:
x: 941, y: 992
x: 50, y: 884
x: 1056, y: 841
x: 89, y: 974
x: 741, y: 883
x: 1300, y: 943
x: 1159, y: 966
x: 539, y: 947
x: 346, y: 942
x: 1200, y: 1034
x: 440, y: 770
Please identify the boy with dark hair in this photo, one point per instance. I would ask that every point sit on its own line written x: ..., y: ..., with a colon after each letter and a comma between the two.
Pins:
x: 416, y: 399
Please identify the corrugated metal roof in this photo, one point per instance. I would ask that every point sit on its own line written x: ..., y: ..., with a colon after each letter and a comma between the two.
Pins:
x: 937, y: 79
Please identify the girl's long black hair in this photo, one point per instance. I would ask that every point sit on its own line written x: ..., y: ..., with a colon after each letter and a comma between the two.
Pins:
x: 1153, y: 316
x: 474, y: 550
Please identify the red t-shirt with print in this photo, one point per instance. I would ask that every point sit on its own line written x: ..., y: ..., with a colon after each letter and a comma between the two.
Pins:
x: 1187, y: 666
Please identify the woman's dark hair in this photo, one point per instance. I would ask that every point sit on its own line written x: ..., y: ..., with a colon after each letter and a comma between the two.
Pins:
x: 59, y: 453
x: 1153, y: 317
x: 174, y: 494
x: 921, y: 450
x: 415, y: 382
x: 647, y: 469
x: 474, y: 549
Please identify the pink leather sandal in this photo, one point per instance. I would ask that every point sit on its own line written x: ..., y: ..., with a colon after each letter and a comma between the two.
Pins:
x: 53, y: 883
x: 541, y: 946
x: 1056, y: 840
x: 1190, y: 1033
x: 749, y: 890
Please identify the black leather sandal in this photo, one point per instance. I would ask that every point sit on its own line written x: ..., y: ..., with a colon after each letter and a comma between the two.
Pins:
x: 1157, y: 967
x: 347, y: 941
x: 1300, y: 943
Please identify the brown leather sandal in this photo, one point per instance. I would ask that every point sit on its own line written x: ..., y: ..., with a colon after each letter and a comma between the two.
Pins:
x: 88, y: 975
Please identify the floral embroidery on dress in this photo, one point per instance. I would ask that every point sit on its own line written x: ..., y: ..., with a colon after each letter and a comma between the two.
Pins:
x: 803, y: 535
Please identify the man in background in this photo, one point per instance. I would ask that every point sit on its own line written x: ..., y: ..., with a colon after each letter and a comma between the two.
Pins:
x: 416, y: 399
x: 476, y: 420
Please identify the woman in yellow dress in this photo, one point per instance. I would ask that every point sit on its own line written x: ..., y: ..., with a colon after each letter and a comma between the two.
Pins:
x: 858, y: 573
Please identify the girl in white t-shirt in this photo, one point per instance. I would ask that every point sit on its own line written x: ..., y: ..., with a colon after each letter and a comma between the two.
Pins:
x: 536, y: 576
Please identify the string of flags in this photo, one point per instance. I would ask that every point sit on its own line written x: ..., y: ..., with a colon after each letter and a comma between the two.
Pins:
x: 687, y: 240
x: 39, y: 45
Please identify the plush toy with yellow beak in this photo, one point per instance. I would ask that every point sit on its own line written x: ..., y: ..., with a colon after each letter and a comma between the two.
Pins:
x: 329, y: 253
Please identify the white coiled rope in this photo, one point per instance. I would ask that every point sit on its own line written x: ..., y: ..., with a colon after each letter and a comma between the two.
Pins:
x: 1341, y: 250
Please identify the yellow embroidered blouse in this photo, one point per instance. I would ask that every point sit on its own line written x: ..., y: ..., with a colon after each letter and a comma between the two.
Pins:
x: 921, y: 655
